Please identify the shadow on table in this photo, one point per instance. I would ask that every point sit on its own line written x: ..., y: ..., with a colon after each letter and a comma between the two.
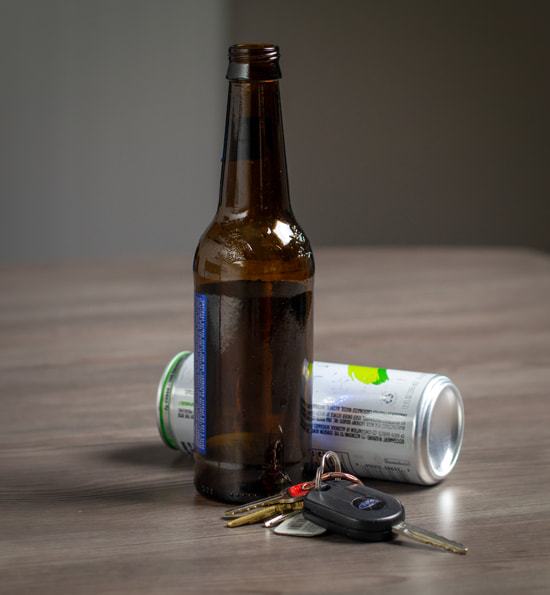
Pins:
x: 150, y: 455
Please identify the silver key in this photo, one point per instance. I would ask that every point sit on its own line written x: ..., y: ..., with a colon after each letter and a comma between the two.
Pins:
x: 429, y: 538
x: 277, y: 520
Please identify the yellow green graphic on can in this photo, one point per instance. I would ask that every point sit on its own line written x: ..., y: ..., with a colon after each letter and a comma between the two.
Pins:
x: 368, y: 375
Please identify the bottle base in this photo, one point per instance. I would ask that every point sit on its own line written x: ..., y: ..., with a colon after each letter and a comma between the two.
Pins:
x: 239, y: 484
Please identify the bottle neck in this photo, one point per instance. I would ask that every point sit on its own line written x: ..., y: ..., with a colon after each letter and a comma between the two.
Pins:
x: 254, y: 175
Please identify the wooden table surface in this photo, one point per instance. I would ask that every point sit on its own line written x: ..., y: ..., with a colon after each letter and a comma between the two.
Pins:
x: 93, y: 502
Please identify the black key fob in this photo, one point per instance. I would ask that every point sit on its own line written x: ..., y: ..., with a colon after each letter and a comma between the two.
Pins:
x: 354, y: 510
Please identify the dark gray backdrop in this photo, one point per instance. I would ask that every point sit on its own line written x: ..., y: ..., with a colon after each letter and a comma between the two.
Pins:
x: 407, y: 122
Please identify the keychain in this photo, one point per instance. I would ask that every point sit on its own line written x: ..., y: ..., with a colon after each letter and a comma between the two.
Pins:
x: 337, y: 502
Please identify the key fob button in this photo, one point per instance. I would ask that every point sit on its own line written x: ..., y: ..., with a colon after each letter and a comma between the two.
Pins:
x: 368, y: 503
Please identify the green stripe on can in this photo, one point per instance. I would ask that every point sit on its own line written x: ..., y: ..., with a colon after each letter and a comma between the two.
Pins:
x: 164, y: 412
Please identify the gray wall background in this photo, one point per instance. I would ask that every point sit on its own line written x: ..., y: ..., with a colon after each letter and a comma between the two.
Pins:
x: 406, y: 122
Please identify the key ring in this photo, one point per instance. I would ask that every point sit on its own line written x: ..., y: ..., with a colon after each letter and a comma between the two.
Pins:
x: 337, y: 474
x: 308, y: 485
x: 321, y: 469
x: 335, y: 459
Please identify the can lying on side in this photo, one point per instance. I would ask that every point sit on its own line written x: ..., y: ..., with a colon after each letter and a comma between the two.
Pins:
x: 383, y: 423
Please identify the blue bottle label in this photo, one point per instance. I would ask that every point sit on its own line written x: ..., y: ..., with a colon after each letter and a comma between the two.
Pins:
x: 200, y: 372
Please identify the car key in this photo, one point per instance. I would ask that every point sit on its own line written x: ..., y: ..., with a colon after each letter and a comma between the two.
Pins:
x: 266, y: 512
x: 366, y: 514
x: 287, y: 496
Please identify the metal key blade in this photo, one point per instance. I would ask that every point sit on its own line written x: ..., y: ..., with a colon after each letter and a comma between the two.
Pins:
x: 280, y: 518
x: 263, y: 513
x: 429, y: 538
x: 287, y: 496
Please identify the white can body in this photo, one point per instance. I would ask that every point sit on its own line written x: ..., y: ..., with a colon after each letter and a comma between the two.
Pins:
x: 176, y: 403
x: 389, y: 424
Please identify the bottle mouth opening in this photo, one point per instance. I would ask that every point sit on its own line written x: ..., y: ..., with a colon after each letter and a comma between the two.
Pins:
x: 254, y: 52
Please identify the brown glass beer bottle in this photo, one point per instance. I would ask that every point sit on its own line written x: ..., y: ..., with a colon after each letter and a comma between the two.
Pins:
x: 253, y: 273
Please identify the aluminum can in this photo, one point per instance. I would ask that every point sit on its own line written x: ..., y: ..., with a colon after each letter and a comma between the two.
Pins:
x: 388, y: 424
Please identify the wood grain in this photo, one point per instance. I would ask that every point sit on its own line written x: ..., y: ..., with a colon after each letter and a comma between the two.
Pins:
x: 93, y: 502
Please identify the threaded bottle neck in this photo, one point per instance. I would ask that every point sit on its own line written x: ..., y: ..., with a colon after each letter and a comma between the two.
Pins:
x: 253, y: 62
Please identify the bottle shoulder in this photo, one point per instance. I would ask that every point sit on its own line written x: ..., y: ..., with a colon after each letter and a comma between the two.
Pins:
x: 275, y: 248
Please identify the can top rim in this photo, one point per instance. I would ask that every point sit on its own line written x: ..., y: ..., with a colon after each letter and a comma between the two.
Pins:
x: 440, y: 429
